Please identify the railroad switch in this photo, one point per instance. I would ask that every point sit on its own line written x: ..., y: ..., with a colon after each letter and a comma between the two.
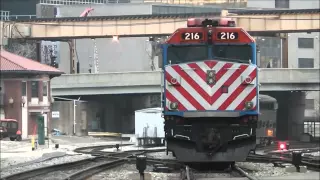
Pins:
x: 117, y: 146
x: 296, y: 159
x: 141, y: 165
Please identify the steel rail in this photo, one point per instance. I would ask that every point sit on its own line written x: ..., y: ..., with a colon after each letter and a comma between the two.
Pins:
x: 83, y: 174
x: 243, y: 172
x: 47, y: 169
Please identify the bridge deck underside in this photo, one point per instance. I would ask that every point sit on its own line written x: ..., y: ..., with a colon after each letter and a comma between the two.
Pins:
x: 105, y: 27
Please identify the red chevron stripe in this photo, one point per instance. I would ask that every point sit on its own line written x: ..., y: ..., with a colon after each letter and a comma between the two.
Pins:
x: 186, y: 94
x: 203, y: 74
x: 191, y: 82
x: 171, y: 98
x: 231, y: 79
x: 250, y: 96
x: 236, y: 93
x: 211, y: 64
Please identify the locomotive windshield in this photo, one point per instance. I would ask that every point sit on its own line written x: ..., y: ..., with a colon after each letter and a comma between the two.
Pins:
x: 238, y: 53
x: 184, y: 54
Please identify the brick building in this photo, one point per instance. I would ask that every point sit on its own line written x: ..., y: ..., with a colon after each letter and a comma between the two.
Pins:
x: 25, y: 91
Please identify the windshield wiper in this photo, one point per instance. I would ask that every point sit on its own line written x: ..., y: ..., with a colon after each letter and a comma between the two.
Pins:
x: 231, y: 59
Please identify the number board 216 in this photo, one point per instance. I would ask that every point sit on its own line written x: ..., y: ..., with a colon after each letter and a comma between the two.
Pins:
x: 228, y: 35
x: 187, y: 36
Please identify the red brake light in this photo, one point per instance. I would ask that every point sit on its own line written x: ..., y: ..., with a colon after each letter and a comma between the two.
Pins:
x: 282, y: 146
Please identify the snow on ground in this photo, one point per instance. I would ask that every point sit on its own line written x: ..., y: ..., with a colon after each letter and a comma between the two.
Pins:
x: 15, y: 152
x: 160, y: 155
x: 290, y: 150
x: 131, y: 148
x: 18, y: 155
x: 315, y: 154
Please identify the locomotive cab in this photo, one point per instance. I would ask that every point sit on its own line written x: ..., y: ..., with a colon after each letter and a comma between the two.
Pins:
x: 210, y: 91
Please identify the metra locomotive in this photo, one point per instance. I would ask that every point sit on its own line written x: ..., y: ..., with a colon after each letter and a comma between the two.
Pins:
x: 210, y: 91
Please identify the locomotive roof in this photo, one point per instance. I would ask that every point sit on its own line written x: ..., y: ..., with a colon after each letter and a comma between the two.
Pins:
x: 243, y: 36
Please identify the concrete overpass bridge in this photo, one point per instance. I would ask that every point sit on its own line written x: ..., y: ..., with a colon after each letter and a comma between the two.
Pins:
x: 254, y: 21
x: 286, y: 85
x: 284, y: 79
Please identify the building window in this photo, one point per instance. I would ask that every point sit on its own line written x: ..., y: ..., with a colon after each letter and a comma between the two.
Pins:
x: 309, y: 103
x: 34, y: 89
x: 305, y: 62
x: 24, y: 88
x: 305, y: 43
x: 281, y: 3
x: 45, y: 88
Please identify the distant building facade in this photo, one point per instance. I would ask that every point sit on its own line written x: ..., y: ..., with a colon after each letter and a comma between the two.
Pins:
x: 25, y: 91
x: 303, y: 52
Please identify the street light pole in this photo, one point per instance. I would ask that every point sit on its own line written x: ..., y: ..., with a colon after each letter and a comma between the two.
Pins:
x: 74, y: 117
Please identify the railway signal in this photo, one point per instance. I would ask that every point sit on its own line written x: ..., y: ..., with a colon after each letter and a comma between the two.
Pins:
x: 54, y: 62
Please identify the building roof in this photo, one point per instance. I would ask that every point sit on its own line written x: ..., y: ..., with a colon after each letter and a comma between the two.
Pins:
x: 14, y: 63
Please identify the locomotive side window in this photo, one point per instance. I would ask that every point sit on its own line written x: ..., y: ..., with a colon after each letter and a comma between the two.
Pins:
x: 184, y: 54
x: 238, y: 53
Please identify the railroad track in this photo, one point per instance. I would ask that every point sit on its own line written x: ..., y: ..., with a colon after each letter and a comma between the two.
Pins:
x: 306, y: 161
x: 83, y: 168
x: 294, y: 145
x: 102, y: 161
x: 233, y: 172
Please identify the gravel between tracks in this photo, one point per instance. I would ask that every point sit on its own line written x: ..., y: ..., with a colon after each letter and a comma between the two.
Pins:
x: 262, y: 169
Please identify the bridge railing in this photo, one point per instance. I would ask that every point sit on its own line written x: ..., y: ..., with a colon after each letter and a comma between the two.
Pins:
x: 235, y: 3
x: 4, y: 15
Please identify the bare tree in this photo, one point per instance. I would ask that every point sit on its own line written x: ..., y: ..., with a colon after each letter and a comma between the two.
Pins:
x: 27, y: 49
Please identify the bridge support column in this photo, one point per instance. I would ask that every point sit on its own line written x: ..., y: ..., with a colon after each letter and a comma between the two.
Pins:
x: 290, y: 114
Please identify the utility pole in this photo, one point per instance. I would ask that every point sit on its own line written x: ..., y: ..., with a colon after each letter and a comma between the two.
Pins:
x: 284, y: 50
x: 72, y: 56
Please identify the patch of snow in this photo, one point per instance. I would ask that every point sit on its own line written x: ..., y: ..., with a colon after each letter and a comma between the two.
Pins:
x: 132, y: 148
x: 160, y: 155
x: 315, y: 154
x: 290, y: 150
x: 16, y: 154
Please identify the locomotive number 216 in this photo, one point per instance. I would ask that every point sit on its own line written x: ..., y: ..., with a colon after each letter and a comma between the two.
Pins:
x: 228, y: 35
x: 192, y: 36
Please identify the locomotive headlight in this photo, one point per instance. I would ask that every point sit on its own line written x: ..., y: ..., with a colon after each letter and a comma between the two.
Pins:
x: 210, y: 81
x: 249, y: 105
x: 173, y: 105
x: 211, y: 74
